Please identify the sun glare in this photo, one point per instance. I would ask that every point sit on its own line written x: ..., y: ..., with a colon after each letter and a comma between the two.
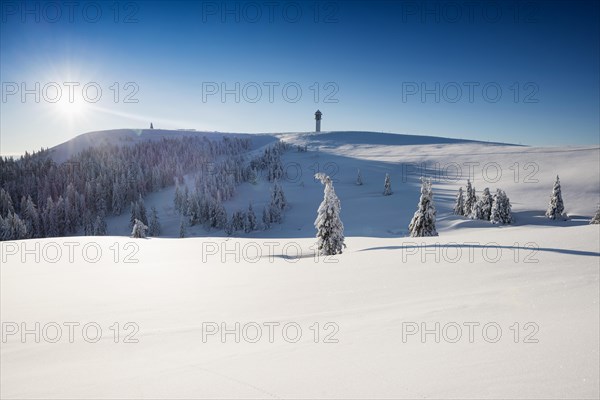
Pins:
x: 71, y: 109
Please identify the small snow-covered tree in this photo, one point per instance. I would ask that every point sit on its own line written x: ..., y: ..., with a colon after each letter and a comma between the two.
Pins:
x: 596, y: 218
x: 423, y: 221
x: 6, y: 204
x: 330, y: 229
x: 359, y: 179
x: 555, y: 207
x: 139, y: 229
x: 470, y: 200
x: 178, y: 199
x: 501, y: 209
x: 182, y: 228
x: 266, y: 217
x: 277, y: 205
x: 483, y: 206
x: 476, y: 211
x: 387, y: 186
x: 238, y: 219
x: 142, y: 216
x: 459, y: 206
x: 154, y: 225
x: 100, y: 228
x: 12, y: 227
x: 253, y: 176
x: 250, y: 220
x: 31, y: 217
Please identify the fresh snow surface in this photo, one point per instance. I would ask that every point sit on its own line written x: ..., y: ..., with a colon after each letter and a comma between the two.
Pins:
x: 542, y: 275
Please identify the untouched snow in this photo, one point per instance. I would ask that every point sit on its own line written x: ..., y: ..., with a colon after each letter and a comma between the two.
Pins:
x: 540, y: 274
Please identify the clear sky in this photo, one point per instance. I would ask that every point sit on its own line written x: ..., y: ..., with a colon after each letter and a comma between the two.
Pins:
x: 522, y: 72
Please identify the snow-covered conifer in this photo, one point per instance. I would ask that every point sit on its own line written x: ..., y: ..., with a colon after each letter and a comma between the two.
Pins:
x: 100, y: 228
x: 266, y: 217
x: 555, y: 207
x: 596, y: 218
x: 139, y: 229
x: 154, y: 225
x: 470, y: 200
x: 330, y: 229
x: 483, y: 206
x: 6, y: 204
x: 359, y: 180
x: 423, y: 221
x: 250, y: 224
x: 182, y: 228
x: 459, y: 206
x: 501, y: 209
x: 387, y: 186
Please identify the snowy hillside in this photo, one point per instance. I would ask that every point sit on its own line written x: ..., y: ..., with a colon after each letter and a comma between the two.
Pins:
x: 481, y: 311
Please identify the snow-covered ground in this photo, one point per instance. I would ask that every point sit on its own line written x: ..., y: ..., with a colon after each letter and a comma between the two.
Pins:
x: 516, y: 307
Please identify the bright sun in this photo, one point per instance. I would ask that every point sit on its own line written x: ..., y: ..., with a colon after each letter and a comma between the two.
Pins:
x: 71, y: 109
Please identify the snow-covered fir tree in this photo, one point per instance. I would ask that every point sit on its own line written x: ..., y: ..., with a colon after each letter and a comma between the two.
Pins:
x: 423, y: 221
x: 139, y: 229
x: 182, y: 229
x: 459, y: 205
x: 238, y: 220
x: 154, y: 224
x: 555, y: 207
x: 6, y: 204
x: 501, y: 209
x: 476, y: 211
x: 266, y: 217
x: 483, y: 206
x: 100, y: 228
x: 359, y: 179
x: 251, y: 224
x: 596, y: 218
x: 470, y: 199
x: 330, y: 229
x: 253, y: 176
x: 387, y: 186
x: 277, y: 205
x: 31, y: 218
x: 12, y: 227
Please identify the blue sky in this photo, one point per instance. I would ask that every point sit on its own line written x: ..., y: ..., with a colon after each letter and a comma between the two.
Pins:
x: 521, y: 72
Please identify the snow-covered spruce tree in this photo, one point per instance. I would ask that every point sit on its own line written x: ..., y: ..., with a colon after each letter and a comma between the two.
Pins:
x: 142, y: 216
x: 330, y: 229
x: 6, y: 204
x: 556, y: 207
x: 31, y: 217
x: 253, y: 176
x: 277, y: 205
x: 182, y: 228
x: 139, y: 230
x: 178, y: 200
x: 596, y: 218
x: 100, y: 228
x: 154, y: 225
x: 238, y: 219
x: 134, y: 212
x: 459, y: 206
x: 359, y: 180
x: 470, y: 200
x: 387, y: 186
x: 266, y: 217
x: 501, y: 209
x: 423, y: 222
x: 485, y: 205
x: 476, y: 211
x: 250, y: 220
x: 12, y: 227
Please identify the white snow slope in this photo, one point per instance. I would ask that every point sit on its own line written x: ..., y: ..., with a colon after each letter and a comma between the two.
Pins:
x: 481, y: 311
